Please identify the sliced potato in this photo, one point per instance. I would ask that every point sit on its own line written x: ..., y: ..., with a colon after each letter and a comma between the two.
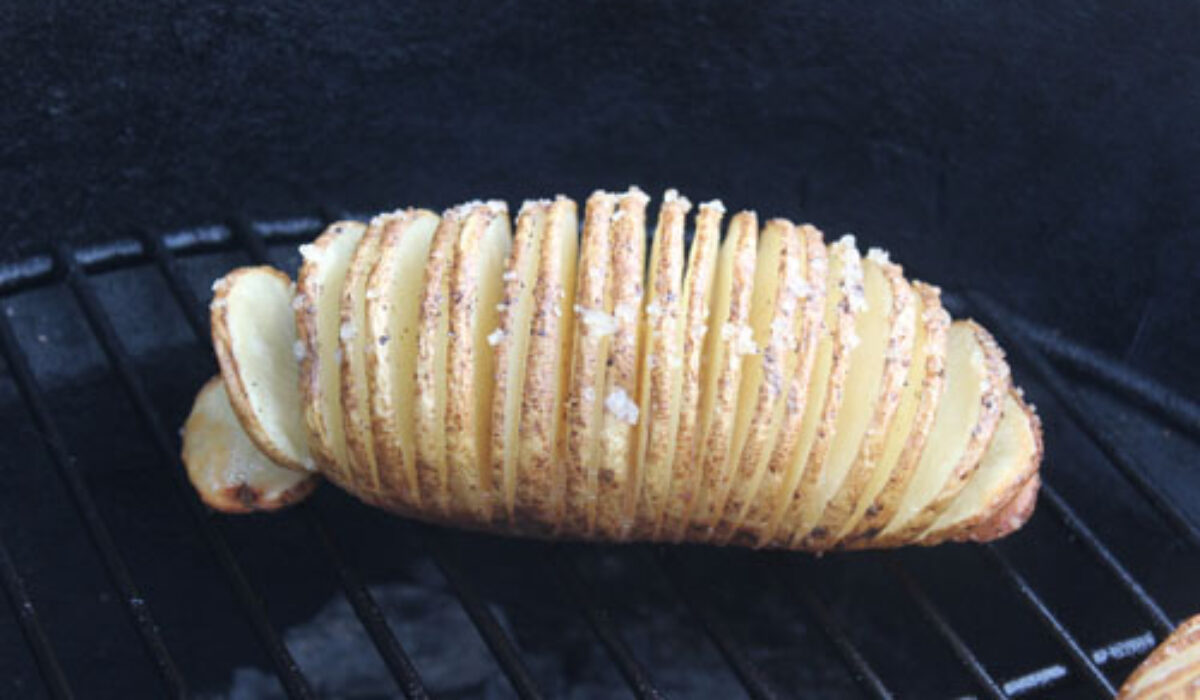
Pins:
x: 1011, y: 459
x: 774, y: 310
x: 977, y: 380
x: 1172, y: 671
x: 1010, y: 518
x: 592, y: 331
x: 878, y: 367
x: 697, y: 302
x: 537, y: 501
x: 844, y: 301
x: 618, y: 438
x: 432, y: 340
x: 662, y: 370
x: 227, y: 470
x: 393, y: 301
x: 356, y: 398
x: 317, y: 312
x: 910, y: 428
x: 475, y: 287
x: 810, y: 328
x: 730, y: 340
x: 255, y: 342
x: 512, y: 346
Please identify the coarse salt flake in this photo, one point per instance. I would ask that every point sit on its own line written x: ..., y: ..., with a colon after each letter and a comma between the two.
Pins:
x: 620, y: 405
x: 879, y: 256
x: 346, y: 332
x: 495, y: 337
x: 597, y: 322
x: 299, y: 351
x: 310, y: 252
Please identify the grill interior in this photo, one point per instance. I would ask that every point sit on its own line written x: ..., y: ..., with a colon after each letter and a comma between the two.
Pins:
x: 122, y: 585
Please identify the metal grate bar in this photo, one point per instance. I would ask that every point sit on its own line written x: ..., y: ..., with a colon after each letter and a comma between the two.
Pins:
x: 494, y: 635
x: 289, y: 673
x: 496, y: 638
x: 370, y: 615
x: 1079, y: 658
x: 1091, y: 426
x: 31, y: 626
x: 1089, y: 541
x: 746, y: 671
x: 360, y: 599
x: 600, y: 621
x: 935, y: 617
x: 860, y: 669
x: 1173, y: 408
x: 118, y: 572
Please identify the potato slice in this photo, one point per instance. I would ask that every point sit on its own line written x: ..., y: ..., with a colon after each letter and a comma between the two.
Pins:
x: 878, y: 368
x: 593, y: 328
x: 1172, y: 671
x: 475, y: 288
x: 1009, y: 462
x: 775, y: 307
x: 393, y: 300
x: 663, y: 332
x: 697, y: 300
x: 910, y: 428
x: 356, y: 399
x: 227, y: 470
x: 977, y: 380
x: 433, y: 323
x: 317, y: 307
x: 255, y: 342
x: 1011, y: 516
x: 844, y: 301
x: 730, y: 340
x: 512, y: 346
x: 618, y: 438
x: 810, y: 325
x: 537, y: 501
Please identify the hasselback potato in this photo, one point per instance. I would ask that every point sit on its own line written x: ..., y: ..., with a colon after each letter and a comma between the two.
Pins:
x: 762, y: 388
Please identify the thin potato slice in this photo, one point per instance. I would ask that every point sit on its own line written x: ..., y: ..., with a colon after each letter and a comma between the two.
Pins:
x: 539, y: 485
x: 255, y: 342
x: 878, y: 368
x: 433, y: 323
x: 910, y: 429
x: 593, y: 328
x: 520, y: 279
x: 618, y: 438
x: 317, y: 306
x: 1011, y: 516
x: 844, y: 301
x: 662, y: 367
x: 777, y: 298
x: 393, y: 301
x: 977, y: 381
x: 356, y: 399
x: 697, y: 300
x: 730, y: 340
x: 1172, y: 671
x: 810, y: 328
x: 475, y: 288
x: 227, y: 470
x: 1009, y: 462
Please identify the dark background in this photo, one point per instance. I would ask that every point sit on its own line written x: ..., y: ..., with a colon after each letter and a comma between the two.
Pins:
x: 1048, y: 153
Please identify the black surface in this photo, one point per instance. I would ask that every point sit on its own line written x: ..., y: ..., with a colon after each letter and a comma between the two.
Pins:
x: 1043, y: 152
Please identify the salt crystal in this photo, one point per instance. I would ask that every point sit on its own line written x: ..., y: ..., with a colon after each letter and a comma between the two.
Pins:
x: 299, y: 351
x: 346, y: 332
x: 310, y: 253
x: 879, y: 256
x: 653, y: 310
x: 495, y: 337
x: 509, y: 276
x: 220, y: 284
x: 298, y: 302
x: 715, y: 205
x: 372, y: 294
x: 620, y: 405
x: 588, y: 394
x: 597, y: 322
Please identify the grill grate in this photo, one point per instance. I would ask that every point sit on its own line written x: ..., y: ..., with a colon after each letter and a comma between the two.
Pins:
x: 76, y: 273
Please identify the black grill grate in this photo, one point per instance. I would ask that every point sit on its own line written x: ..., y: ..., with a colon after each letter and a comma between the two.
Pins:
x: 600, y: 607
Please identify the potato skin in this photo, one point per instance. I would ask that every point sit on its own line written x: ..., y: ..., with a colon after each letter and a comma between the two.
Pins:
x: 573, y: 462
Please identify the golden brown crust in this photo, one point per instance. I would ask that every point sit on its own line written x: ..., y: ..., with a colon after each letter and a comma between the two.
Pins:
x: 897, y: 357
x: 430, y: 399
x: 697, y: 296
x: 618, y: 437
x: 663, y: 368
x: 539, y: 485
x: 936, y: 326
x: 585, y: 397
x: 1153, y: 679
x: 224, y: 466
